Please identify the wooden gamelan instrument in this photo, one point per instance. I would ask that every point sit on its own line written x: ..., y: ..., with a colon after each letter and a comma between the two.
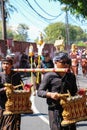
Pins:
x: 18, y: 101
x: 74, y: 108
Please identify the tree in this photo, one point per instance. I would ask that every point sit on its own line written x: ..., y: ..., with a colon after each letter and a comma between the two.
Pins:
x: 78, y: 7
x: 56, y: 30
x: 22, y: 33
x: 76, y: 33
x: 10, y: 34
x: 0, y: 29
x: 9, y: 8
x: 53, y: 31
x: 5, y: 9
x: 81, y: 43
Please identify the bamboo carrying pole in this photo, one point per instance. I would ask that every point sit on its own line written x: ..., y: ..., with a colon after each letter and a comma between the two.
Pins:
x: 42, y: 70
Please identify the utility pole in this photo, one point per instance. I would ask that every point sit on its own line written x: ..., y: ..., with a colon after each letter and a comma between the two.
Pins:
x: 4, y: 34
x: 67, y: 28
x: 65, y: 9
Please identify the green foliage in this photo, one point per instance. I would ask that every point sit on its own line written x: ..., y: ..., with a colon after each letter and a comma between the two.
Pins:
x: 55, y: 30
x: 81, y: 43
x: 22, y: 29
x: 76, y: 33
x: 10, y: 34
x: 22, y: 34
x: 9, y: 9
x: 0, y: 30
x: 19, y: 37
x: 78, y: 7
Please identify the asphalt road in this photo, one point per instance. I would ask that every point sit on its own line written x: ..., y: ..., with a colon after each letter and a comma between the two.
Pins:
x: 39, y: 119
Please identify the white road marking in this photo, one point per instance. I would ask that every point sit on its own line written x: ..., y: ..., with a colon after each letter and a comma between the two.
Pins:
x: 36, y: 111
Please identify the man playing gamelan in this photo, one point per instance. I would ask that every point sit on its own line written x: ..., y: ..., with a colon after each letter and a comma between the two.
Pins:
x: 8, y: 122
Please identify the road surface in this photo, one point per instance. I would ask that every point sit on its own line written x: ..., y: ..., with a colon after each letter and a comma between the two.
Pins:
x: 39, y: 119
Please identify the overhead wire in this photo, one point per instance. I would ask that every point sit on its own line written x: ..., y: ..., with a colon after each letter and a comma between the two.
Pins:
x: 75, y: 22
x: 44, y: 10
x: 23, y: 4
x: 21, y: 12
x: 33, y: 13
x: 39, y: 13
x: 20, y: 4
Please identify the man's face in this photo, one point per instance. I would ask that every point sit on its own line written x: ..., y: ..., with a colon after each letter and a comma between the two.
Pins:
x: 36, y: 59
x: 6, y: 66
x: 47, y: 58
x: 61, y: 64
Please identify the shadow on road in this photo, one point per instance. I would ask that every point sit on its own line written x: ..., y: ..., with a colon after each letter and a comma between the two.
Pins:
x: 36, y: 114
x: 81, y: 124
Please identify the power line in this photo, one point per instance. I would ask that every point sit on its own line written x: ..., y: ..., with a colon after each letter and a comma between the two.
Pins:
x: 73, y: 19
x: 80, y: 24
x: 29, y: 12
x: 39, y: 13
x: 44, y: 10
x: 24, y: 8
x: 20, y: 4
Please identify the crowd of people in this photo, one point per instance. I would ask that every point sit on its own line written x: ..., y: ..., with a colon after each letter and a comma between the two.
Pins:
x: 79, y: 58
x: 47, y: 85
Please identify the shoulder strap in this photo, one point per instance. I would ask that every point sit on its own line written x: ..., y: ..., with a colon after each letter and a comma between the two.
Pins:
x: 63, y: 81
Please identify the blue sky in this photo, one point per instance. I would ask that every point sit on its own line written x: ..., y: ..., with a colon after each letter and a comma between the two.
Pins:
x: 42, y: 14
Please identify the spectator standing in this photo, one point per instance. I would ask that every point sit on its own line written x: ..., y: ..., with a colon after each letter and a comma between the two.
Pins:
x: 47, y: 61
x: 84, y: 62
x: 24, y: 63
x: 74, y: 59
